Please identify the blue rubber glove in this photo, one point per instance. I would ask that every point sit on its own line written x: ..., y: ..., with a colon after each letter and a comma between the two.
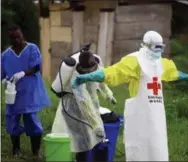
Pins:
x: 182, y: 76
x: 96, y: 76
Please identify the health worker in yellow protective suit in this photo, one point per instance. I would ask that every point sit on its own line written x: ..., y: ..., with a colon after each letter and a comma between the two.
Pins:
x: 145, y: 131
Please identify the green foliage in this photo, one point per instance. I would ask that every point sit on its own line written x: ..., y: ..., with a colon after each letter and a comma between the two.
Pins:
x: 23, y: 13
x: 179, y: 18
x: 6, y: 18
x: 179, y: 53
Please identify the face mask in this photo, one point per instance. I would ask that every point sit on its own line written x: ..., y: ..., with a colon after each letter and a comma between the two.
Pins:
x: 154, y: 55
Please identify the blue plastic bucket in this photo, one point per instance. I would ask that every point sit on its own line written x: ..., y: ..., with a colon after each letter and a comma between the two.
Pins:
x: 112, y: 131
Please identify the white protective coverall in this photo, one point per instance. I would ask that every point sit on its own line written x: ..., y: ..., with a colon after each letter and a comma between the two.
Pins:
x: 145, y: 129
x: 83, y: 138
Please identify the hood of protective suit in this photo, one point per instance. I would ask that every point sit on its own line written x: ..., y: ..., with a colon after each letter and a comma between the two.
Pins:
x: 150, y: 55
x: 152, y: 46
x: 151, y: 67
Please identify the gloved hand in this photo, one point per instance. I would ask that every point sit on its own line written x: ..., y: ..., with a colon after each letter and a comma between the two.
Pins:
x: 97, y: 76
x: 17, y: 76
x: 4, y: 81
x: 80, y: 79
x: 112, y: 100
x: 182, y: 76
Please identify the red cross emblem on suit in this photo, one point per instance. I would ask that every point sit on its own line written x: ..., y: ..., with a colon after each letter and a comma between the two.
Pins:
x: 155, y: 86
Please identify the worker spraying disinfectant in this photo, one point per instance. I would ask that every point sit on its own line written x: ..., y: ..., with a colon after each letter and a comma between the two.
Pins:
x: 80, y: 107
x: 145, y: 127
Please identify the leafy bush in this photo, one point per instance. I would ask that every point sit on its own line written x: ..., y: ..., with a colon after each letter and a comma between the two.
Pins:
x: 179, y: 53
x: 25, y: 14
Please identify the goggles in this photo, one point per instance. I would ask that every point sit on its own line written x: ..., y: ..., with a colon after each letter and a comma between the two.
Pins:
x: 155, y: 47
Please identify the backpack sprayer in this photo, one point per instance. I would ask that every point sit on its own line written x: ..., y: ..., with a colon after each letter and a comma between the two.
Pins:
x: 86, y: 47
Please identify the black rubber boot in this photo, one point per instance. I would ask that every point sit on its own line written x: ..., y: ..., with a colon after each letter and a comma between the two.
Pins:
x: 81, y: 156
x: 35, y: 145
x: 15, y: 146
x: 100, y: 154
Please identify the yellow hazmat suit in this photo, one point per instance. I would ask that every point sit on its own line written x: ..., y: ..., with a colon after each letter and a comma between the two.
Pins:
x: 129, y: 71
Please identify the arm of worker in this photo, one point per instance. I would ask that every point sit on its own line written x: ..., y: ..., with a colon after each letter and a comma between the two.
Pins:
x: 171, y: 73
x: 35, y: 61
x: 119, y: 73
x: 107, y: 93
x: 103, y: 88
x: 182, y: 76
x: 32, y: 70
x: 19, y: 75
x: 66, y: 71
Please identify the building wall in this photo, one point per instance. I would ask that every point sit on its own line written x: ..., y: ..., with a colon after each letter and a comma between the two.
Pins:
x: 61, y: 37
x: 131, y: 22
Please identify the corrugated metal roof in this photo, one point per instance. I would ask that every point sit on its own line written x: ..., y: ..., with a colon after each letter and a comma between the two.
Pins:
x: 180, y: 1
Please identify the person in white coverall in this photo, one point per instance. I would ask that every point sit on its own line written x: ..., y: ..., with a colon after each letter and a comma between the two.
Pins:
x: 81, y: 103
x: 145, y: 131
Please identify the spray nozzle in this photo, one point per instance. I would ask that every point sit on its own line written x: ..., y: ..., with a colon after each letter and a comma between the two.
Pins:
x: 87, y: 46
